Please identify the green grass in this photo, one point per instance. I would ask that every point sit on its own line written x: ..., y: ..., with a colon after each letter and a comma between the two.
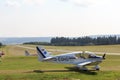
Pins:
x: 28, y: 68
x: 99, y: 48
x: 63, y: 76
x: 15, y: 66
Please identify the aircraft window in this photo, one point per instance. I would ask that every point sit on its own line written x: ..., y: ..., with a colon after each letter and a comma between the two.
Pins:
x: 91, y: 56
x: 86, y: 55
x: 80, y: 55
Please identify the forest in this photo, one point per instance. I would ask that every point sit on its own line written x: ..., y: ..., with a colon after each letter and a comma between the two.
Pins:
x: 80, y: 41
x: 1, y: 44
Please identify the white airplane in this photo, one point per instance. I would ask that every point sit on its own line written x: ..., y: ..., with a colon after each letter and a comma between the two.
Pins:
x: 80, y: 59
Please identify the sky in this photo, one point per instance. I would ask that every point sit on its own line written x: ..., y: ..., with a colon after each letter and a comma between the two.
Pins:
x: 51, y: 18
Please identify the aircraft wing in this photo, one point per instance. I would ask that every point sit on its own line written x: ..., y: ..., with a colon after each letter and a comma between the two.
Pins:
x: 84, y: 63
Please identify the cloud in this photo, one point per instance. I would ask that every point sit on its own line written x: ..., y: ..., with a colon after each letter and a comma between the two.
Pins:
x: 82, y: 3
x: 64, y: 0
x: 19, y: 3
x: 12, y: 3
x: 34, y: 2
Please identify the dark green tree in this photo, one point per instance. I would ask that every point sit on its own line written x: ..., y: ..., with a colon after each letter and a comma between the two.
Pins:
x: 1, y: 44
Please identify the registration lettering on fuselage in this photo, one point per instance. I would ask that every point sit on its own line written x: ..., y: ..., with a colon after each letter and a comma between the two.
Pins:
x: 64, y: 58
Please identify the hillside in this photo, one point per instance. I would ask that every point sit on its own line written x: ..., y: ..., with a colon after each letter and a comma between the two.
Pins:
x: 16, y: 40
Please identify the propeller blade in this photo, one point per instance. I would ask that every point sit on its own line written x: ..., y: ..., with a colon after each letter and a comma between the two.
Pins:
x: 104, y: 56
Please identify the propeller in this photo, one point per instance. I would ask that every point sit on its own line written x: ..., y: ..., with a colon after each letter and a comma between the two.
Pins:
x: 104, y: 56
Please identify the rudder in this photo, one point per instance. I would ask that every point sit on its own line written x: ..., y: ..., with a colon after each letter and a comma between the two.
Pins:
x: 42, y: 53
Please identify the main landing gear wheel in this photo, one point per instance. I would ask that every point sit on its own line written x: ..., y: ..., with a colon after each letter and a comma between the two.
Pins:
x: 97, y: 68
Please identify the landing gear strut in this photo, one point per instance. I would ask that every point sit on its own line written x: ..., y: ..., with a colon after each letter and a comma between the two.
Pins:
x: 97, y: 68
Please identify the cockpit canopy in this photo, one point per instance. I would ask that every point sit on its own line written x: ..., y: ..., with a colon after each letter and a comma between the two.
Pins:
x: 85, y: 55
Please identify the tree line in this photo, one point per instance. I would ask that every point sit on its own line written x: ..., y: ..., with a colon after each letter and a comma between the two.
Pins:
x: 83, y: 41
x: 1, y: 44
x: 80, y: 41
x: 38, y: 43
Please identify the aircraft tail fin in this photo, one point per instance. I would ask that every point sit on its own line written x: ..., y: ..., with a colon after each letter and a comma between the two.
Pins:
x: 42, y: 53
x: 27, y: 53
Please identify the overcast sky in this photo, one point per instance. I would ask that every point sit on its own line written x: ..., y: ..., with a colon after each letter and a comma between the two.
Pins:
x: 41, y: 18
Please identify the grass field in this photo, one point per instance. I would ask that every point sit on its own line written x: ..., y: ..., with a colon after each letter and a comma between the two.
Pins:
x: 15, y: 66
